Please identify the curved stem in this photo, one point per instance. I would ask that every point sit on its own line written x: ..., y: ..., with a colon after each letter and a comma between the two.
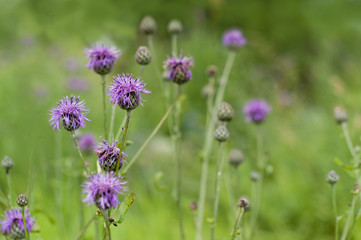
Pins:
x: 208, y: 143
x: 156, y: 129
x: 24, y: 222
x: 82, y: 231
x: 80, y: 154
x: 237, y: 222
x: 122, y: 144
x: 104, y: 108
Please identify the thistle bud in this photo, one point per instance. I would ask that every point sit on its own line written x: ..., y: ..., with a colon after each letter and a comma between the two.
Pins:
x: 148, y: 25
x: 255, y: 176
x: 22, y: 201
x: 143, y: 56
x: 340, y: 115
x: 175, y: 26
x: 332, y: 177
x: 7, y: 163
x: 243, y: 203
x: 235, y: 157
x: 225, y: 112
x: 211, y: 71
x: 16, y: 232
x: 221, y: 134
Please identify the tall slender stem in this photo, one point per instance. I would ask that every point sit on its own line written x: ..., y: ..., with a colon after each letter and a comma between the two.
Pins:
x: 348, y: 140
x: 208, y: 143
x: 104, y: 108
x: 84, y: 228
x: 155, y: 59
x: 220, y: 159
x: 8, y: 179
x: 108, y: 233
x: 80, y: 154
x: 174, y: 44
x: 237, y: 222
x: 346, y: 228
x: 122, y: 144
x: 121, y: 128
x: 24, y: 222
x: 142, y: 67
x: 112, y: 122
x: 334, y: 206
x: 156, y: 129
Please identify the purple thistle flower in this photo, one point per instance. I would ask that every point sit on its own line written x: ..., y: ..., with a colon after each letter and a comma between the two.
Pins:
x: 101, y: 58
x: 125, y: 91
x: 87, y: 143
x: 233, y: 39
x: 256, y: 110
x: 70, y: 111
x: 178, y: 68
x: 108, y: 156
x: 12, y: 222
x: 102, y: 189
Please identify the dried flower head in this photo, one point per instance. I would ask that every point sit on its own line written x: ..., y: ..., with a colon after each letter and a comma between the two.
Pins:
x: 143, y: 55
x: 233, y: 39
x: 22, y: 200
x: 7, y: 163
x: 12, y: 223
x: 87, y: 143
x: 178, y: 68
x: 175, y: 26
x: 340, y: 115
x: 235, y: 157
x: 109, y: 155
x: 332, y: 177
x: 102, y: 189
x: 256, y: 110
x: 125, y: 91
x: 71, y: 111
x: 148, y: 25
x: 101, y: 58
x: 243, y: 202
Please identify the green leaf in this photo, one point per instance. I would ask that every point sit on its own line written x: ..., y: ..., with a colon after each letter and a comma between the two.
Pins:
x: 343, y: 165
x: 124, y: 207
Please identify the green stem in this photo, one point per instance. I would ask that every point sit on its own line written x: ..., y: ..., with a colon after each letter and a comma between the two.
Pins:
x: 122, y: 144
x: 155, y: 59
x: 345, y: 231
x: 156, y: 129
x: 96, y: 222
x: 142, y: 67
x: 174, y: 44
x: 108, y: 233
x: 210, y: 100
x: 348, y: 141
x: 121, y: 128
x: 237, y: 222
x: 112, y: 122
x: 24, y: 222
x: 208, y: 143
x: 104, y: 108
x: 8, y: 178
x: 220, y: 158
x: 334, y: 206
x: 82, y: 231
x: 80, y: 154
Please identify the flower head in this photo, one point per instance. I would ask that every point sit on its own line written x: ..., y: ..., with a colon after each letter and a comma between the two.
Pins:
x: 70, y: 111
x: 125, y: 91
x: 256, y: 110
x: 102, y: 189
x: 101, y: 58
x: 87, y: 142
x: 12, y: 222
x: 108, y: 156
x: 233, y: 39
x: 178, y: 68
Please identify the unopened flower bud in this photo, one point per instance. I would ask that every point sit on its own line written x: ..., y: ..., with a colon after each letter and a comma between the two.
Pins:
x: 221, y: 134
x: 7, y: 163
x: 175, y: 26
x: 193, y: 206
x: 225, y: 112
x: 255, y: 176
x: 243, y: 202
x: 148, y: 25
x: 332, y: 177
x: 211, y: 71
x: 22, y: 201
x: 143, y: 56
x: 340, y: 115
x: 235, y: 157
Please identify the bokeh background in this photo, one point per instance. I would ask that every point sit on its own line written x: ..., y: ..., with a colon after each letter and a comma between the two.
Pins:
x: 303, y: 57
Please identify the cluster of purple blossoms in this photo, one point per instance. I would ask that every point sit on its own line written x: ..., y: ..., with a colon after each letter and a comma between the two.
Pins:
x: 256, y: 110
x: 125, y: 91
x: 101, y: 58
x: 233, y: 39
x: 178, y: 68
x: 70, y: 112
x: 102, y: 189
x: 12, y: 223
x: 87, y: 142
x: 109, y: 155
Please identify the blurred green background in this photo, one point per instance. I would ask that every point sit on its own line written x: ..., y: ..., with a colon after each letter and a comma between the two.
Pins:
x: 301, y: 56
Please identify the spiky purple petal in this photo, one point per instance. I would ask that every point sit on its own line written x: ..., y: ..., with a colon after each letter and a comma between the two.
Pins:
x: 14, y: 216
x: 234, y: 39
x: 256, y: 110
x: 179, y: 68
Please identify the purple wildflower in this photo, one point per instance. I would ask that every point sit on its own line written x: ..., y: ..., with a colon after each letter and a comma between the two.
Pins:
x: 101, y: 58
x: 233, y: 39
x: 108, y: 156
x: 12, y: 222
x: 102, y: 189
x: 178, y: 68
x: 87, y: 143
x: 125, y: 91
x: 70, y: 111
x: 256, y: 110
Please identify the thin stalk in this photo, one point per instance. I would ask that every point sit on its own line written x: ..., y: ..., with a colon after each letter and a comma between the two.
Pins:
x: 174, y: 44
x: 112, y: 122
x: 80, y: 154
x: 155, y: 59
x: 210, y: 99
x: 208, y: 142
x: 220, y: 158
x: 108, y: 233
x: 142, y: 67
x: 156, y: 129
x: 104, y: 108
x: 121, y: 128
x: 24, y: 222
x: 349, y: 218
x: 334, y: 206
x: 82, y: 231
x: 8, y: 179
x: 122, y: 144
x: 237, y: 222
x: 348, y: 140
